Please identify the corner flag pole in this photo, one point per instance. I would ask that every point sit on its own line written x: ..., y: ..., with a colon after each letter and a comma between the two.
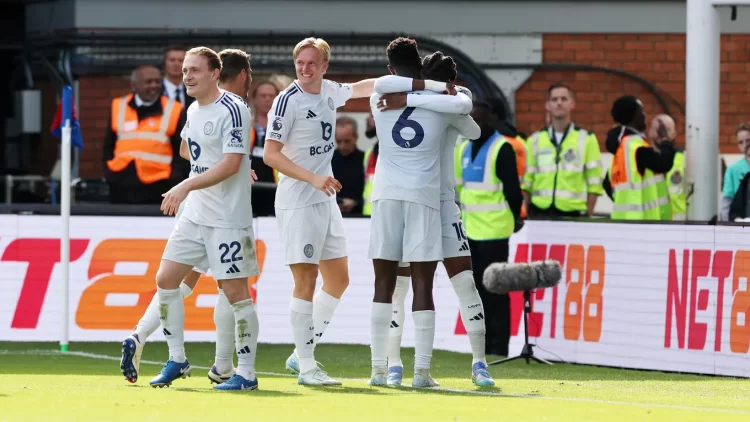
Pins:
x: 67, y: 115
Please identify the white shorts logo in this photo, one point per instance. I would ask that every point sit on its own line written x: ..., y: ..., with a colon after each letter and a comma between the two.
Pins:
x: 308, y: 250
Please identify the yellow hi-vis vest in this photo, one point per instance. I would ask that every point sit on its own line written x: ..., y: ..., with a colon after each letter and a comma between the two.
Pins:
x: 677, y: 191
x: 485, y: 213
x: 636, y: 196
x: 369, y: 178
x: 563, y: 175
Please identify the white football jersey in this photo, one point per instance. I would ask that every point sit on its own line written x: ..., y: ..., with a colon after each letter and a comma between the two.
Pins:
x: 448, y: 152
x: 409, y: 158
x: 306, y: 124
x: 222, y: 127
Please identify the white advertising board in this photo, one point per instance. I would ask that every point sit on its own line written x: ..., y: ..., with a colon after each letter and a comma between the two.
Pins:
x: 662, y: 297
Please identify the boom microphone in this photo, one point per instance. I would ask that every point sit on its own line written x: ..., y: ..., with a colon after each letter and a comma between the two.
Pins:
x: 501, y: 278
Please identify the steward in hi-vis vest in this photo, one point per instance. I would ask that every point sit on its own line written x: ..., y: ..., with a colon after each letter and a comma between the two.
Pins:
x: 637, y: 181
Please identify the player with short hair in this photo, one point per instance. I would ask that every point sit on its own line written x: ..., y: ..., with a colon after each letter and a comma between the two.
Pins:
x: 215, y: 227
x: 456, y: 252
x: 406, y: 218
x: 235, y: 77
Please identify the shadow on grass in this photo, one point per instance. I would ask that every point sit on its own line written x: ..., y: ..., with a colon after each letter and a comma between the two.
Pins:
x: 256, y: 393
x: 344, y: 361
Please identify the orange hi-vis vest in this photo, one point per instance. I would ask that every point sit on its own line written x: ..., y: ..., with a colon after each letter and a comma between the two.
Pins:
x: 147, y: 142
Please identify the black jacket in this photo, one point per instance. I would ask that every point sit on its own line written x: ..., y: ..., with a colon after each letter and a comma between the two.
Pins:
x: 739, y: 206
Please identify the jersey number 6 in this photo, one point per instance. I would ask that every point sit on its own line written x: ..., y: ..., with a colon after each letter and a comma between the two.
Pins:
x: 404, y: 122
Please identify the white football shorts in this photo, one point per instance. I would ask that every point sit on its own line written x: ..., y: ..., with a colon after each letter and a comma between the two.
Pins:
x: 230, y: 253
x: 405, y: 232
x: 455, y: 243
x: 312, y: 234
x: 203, y: 266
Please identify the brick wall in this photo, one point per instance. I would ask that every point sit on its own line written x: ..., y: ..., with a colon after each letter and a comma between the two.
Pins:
x: 657, y: 58
x: 96, y: 94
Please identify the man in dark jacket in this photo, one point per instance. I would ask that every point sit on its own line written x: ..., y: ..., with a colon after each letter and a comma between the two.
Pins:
x: 628, y: 112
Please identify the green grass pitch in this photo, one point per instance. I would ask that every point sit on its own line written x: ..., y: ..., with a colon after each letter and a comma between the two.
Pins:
x: 37, y: 382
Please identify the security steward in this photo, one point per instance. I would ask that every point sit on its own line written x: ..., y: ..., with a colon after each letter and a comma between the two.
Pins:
x: 675, y: 177
x: 490, y: 198
x: 563, y: 169
x: 639, y: 189
x: 142, y: 142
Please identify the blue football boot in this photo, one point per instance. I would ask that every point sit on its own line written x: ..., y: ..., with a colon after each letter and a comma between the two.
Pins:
x: 237, y: 383
x: 170, y: 372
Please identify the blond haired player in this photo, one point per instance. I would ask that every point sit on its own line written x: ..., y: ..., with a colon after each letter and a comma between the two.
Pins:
x: 300, y: 145
x: 216, y: 223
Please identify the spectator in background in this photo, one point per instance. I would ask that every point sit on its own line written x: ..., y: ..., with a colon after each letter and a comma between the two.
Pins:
x: 737, y: 171
x: 489, y: 226
x: 371, y: 159
x: 262, y: 99
x: 499, y: 118
x: 142, y: 142
x: 348, y: 168
x: 564, y: 171
x: 172, y: 85
x: 281, y: 81
x: 639, y: 192
x: 676, y: 175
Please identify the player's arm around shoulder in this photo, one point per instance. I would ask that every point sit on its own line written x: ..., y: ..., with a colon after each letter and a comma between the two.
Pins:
x: 467, y: 127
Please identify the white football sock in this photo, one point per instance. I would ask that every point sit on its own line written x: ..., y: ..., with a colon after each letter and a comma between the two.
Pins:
x: 380, y: 320
x: 424, y: 338
x: 304, y: 333
x: 397, y: 321
x: 224, y: 321
x: 172, y: 317
x: 185, y: 290
x: 324, y: 305
x: 472, y: 313
x: 246, y: 331
x: 149, y: 322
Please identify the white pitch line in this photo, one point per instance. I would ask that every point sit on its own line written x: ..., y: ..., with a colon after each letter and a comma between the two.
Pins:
x: 452, y: 390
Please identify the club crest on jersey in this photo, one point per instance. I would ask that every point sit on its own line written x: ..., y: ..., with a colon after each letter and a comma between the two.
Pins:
x: 277, y: 123
x: 330, y: 103
x: 208, y: 128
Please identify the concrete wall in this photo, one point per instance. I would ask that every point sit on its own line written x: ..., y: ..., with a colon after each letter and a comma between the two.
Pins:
x: 414, y: 17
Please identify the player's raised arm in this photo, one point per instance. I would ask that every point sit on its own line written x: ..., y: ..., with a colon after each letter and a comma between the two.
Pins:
x: 451, y: 104
x: 394, y: 83
x: 467, y: 127
x: 280, y: 122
